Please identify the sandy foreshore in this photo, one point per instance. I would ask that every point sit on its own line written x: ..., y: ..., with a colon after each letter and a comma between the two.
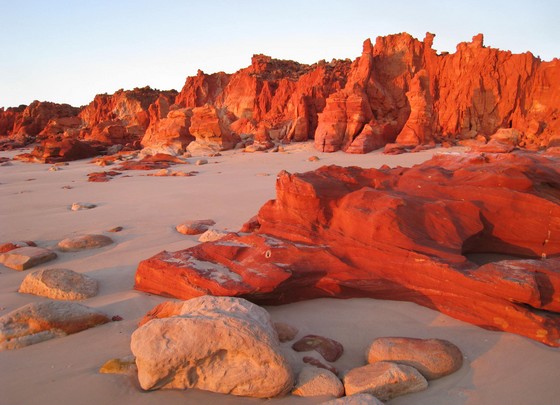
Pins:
x: 499, y: 368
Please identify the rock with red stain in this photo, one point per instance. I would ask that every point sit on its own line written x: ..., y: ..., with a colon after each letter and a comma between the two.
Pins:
x: 102, y: 177
x: 320, y: 235
x: 270, y: 100
x: 40, y: 321
x: 6, y: 247
x: 8, y: 117
x: 330, y: 349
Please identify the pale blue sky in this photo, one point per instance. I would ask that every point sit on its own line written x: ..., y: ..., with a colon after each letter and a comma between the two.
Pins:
x: 68, y: 51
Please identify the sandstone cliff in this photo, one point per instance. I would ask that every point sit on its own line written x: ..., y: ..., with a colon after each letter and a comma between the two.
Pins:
x: 400, y: 90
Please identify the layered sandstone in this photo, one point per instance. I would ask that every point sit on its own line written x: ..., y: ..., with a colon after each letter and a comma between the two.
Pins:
x: 399, y: 234
x: 124, y: 116
x: 400, y: 90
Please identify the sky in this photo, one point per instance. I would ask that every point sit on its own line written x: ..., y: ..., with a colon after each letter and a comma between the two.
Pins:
x: 67, y: 51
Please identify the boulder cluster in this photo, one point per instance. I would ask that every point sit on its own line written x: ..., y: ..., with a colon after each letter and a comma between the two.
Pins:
x: 58, y: 315
x: 229, y: 345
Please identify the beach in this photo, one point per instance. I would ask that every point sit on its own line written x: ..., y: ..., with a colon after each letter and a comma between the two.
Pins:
x: 35, y: 205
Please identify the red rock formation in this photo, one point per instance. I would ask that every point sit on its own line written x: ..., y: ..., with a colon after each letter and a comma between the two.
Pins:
x: 402, y: 87
x: 170, y: 133
x: 282, y: 96
x: 36, y: 116
x: 210, y: 127
x: 8, y: 117
x: 124, y: 116
x: 399, y: 90
x: 24, y: 123
x: 61, y: 150
x: 395, y: 234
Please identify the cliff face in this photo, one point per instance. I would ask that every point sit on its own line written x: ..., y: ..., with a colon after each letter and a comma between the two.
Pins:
x: 398, y: 91
x: 401, y: 90
x: 282, y: 96
x: 124, y: 116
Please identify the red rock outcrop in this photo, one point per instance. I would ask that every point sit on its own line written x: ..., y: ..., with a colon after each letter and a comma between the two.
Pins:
x: 398, y: 234
x: 283, y: 97
x: 170, y: 133
x: 402, y: 90
x: 399, y: 90
x: 8, y: 117
x: 24, y: 123
x: 124, y: 116
x: 36, y: 116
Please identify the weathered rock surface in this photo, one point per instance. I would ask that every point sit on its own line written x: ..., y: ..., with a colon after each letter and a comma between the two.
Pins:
x: 321, y: 235
x: 24, y: 258
x: 54, y: 150
x: 40, y: 321
x: 330, y: 349
x: 212, y: 235
x: 123, y: 117
x: 384, y: 380
x: 84, y: 242
x: 6, y: 247
x: 314, y: 382
x: 433, y: 358
x: 356, y: 399
x: 195, y: 227
x: 399, y: 90
x: 170, y: 134
x: 59, y: 284
x: 224, y: 345
x: 30, y: 120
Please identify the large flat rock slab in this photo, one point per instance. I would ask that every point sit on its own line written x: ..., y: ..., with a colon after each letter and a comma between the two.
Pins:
x: 40, y: 321
x: 24, y: 258
x: 399, y: 234
x: 84, y: 242
x: 59, y: 284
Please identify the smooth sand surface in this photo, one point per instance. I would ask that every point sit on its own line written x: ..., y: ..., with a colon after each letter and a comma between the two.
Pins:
x: 499, y: 368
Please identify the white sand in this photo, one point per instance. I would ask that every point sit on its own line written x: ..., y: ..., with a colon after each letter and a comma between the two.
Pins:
x: 500, y: 368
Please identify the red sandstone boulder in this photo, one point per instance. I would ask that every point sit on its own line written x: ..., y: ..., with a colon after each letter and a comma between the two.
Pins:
x: 60, y: 150
x: 325, y: 228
